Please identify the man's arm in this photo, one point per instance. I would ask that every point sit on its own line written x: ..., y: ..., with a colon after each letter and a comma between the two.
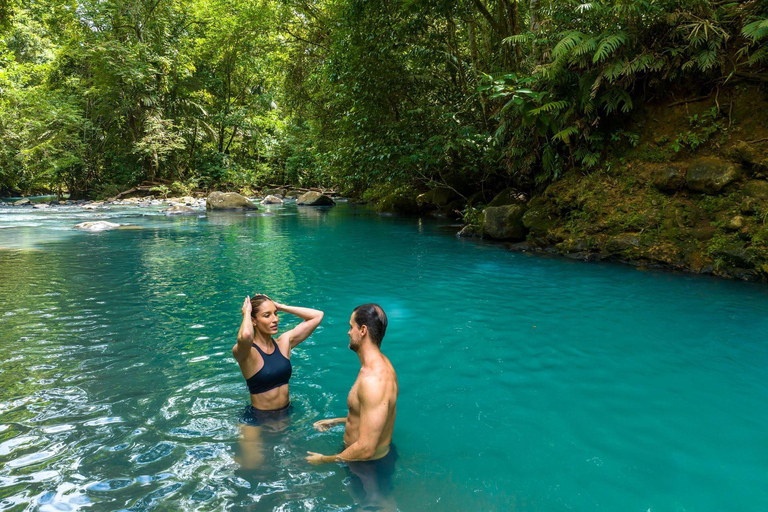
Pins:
x: 324, y: 425
x: 311, y: 317
x: 373, y: 418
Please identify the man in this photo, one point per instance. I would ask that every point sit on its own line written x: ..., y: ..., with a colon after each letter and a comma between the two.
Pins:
x: 372, y: 401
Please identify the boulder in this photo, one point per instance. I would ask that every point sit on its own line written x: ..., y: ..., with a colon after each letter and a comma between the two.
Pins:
x: 41, y: 206
x: 710, y: 175
x: 504, y: 222
x: 399, y: 203
x: 293, y: 194
x: 228, y: 201
x: 272, y: 200
x: 507, y: 196
x: 750, y: 156
x: 22, y: 202
x: 312, y: 198
x: 95, y: 227
x: 668, y: 178
x: 439, y: 197
x: 179, y: 210
x: 538, y: 221
x: 757, y: 189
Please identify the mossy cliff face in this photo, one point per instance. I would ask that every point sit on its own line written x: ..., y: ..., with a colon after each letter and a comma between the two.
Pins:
x: 691, y: 195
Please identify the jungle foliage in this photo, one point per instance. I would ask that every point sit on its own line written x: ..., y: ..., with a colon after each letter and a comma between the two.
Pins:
x: 98, y: 95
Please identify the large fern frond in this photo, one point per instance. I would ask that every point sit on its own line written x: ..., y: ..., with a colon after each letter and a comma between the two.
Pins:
x: 608, y: 46
x: 756, y: 30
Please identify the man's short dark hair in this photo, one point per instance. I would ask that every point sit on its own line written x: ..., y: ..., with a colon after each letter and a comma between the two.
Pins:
x: 374, y: 317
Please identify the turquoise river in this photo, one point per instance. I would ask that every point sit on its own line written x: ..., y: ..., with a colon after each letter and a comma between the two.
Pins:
x: 526, y: 383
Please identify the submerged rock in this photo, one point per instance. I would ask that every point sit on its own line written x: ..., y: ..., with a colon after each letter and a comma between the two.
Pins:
x: 228, y: 201
x: 711, y: 175
x: 504, y: 222
x: 179, y: 210
x: 312, y: 198
x: 272, y: 200
x: 95, y: 227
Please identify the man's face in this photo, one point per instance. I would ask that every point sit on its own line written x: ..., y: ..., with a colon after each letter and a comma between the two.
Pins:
x: 355, y: 334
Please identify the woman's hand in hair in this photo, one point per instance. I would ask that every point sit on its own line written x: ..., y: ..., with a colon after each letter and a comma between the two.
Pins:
x: 247, y: 306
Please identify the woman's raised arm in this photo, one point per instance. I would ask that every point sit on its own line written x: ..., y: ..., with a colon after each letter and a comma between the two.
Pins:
x: 245, y: 335
x: 311, y: 317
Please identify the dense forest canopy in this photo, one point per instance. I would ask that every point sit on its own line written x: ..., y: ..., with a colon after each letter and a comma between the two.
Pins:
x: 99, y: 95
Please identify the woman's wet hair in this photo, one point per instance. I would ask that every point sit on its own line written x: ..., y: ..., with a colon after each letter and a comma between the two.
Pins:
x: 256, y: 301
x: 374, y: 317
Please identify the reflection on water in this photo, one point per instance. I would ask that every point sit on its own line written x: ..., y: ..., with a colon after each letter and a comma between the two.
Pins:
x: 526, y: 383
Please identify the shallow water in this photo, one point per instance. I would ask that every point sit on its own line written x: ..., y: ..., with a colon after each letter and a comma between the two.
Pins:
x: 527, y: 383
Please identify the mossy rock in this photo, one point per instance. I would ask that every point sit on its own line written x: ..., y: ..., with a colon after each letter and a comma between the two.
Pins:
x: 539, y: 221
x: 506, y: 197
x: 757, y: 189
x: 439, y: 197
x: 228, y: 201
x: 668, y: 178
x: 504, y: 222
x: 711, y: 175
x: 313, y: 198
x: 399, y: 203
x: 750, y: 156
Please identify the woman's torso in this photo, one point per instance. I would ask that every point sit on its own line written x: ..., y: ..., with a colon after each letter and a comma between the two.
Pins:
x: 267, y: 371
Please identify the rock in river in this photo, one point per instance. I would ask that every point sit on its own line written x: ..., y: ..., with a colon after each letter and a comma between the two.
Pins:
x: 313, y: 198
x: 272, y: 200
x: 95, y: 227
x: 179, y: 210
x: 22, y: 202
x: 228, y: 201
x: 504, y: 222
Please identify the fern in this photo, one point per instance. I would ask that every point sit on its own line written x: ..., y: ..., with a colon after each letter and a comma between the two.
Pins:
x: 565, y: 135
x: 608, y: 46
x: 756, y: 30
x: 549, y: 107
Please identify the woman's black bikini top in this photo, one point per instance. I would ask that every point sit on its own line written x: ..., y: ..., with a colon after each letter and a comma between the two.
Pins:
x: 276, y: 372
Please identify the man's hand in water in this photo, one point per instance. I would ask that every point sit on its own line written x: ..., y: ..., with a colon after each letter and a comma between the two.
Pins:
x: 323, y: 425
x: 247, y: 306
x: 318, y: 458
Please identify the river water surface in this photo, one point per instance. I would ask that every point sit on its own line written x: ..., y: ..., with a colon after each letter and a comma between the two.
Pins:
x: 526, y: 383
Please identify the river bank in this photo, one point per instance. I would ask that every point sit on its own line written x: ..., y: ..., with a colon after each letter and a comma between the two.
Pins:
x: 683, y: 187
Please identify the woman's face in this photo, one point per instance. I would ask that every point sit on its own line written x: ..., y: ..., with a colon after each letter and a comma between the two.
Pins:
x: 266, y: 320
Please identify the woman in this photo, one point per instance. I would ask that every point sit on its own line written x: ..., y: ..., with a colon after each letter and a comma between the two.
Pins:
x: 266, y: 361
x: 266, y: 366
